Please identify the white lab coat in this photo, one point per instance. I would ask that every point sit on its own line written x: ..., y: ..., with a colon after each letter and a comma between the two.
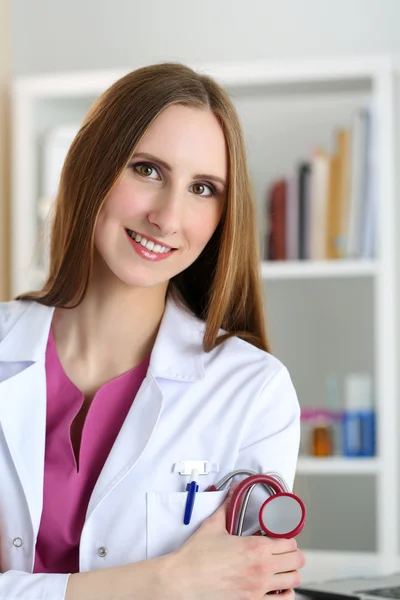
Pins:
x: 234, y: 407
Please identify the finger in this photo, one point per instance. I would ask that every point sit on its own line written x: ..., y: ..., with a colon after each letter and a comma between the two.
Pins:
x: 282, y: 594
x: 285, y: 581
x: 223, y: 508
x: 282, y: 545
x: 218, y: 518
x: 285, y: 563
x: 230, y: 494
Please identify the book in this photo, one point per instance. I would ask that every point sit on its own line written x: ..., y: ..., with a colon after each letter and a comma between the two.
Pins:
x: 277, y: 221
x: 368, y: 226
x: 358, y: 182
x: 292, y: 218
x: 342, y: 191
x: 318, y: 205
x: 304, y: 176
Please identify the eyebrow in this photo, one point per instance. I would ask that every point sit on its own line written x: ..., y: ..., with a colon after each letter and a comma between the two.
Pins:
x: 168, y: 167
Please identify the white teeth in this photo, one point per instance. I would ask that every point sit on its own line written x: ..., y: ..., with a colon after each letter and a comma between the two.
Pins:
x: 150, y: 245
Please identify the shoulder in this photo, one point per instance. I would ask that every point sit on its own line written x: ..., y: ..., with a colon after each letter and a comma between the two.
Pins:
x: 234, y: 357
x: 237, y: 348
x: 250, y: 364
x: 24, y: 328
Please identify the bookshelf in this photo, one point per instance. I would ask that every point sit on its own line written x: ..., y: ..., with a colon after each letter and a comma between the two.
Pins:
x: 338, y: 466
x: 323, y: 316
x: 308, y: 269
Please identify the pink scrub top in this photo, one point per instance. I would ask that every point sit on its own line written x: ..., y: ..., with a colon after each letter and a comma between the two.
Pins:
x: 68, y: 486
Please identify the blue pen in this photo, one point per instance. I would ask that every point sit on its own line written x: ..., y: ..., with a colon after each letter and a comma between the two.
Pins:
x: 192, y: 488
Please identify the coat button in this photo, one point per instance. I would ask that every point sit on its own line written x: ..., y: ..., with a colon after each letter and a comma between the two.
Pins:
x: 102, y: 551
x: 17, y: 542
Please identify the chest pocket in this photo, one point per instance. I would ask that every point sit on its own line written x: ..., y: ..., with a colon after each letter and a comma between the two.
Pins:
x: 166, y: 531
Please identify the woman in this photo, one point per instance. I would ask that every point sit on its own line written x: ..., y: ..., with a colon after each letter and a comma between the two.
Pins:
x: 144, y: 350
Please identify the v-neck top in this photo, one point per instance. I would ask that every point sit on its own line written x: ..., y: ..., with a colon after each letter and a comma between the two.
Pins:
x: 67, y: 489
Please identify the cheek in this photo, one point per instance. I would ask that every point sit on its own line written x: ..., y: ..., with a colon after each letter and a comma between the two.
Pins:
x: 202, y: 224
x: 124, y: 201
x: 116, y: 206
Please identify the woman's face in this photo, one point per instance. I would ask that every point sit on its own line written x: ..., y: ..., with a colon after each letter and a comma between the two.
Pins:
x: 167, y: 203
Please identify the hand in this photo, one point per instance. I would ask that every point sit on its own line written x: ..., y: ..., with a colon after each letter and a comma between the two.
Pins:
x: 214, y: 564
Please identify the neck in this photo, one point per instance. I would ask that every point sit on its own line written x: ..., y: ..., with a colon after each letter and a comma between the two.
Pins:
x: 114, y: 327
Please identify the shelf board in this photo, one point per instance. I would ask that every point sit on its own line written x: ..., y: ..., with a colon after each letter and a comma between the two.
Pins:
x: 337, y: 465
x: 321, y: 269
x: 229, y: 73
x: 281, y: 270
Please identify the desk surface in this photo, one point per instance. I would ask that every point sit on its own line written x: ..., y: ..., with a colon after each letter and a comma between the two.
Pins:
x: 321, y: 566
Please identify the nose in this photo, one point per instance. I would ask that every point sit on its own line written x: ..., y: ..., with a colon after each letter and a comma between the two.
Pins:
x: 166, y: 212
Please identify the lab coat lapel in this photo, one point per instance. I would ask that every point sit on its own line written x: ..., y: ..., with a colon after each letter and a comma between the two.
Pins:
x: 23, y: 399
x: 23, y: 421
x: 131, y: 440
x: 177, y: 355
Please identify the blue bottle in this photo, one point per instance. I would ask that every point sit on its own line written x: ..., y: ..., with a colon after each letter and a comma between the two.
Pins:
x: 358, y: 423
x: 367, y: 419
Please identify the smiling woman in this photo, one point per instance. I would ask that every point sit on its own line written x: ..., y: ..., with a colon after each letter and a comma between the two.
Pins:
x: 144, y: 351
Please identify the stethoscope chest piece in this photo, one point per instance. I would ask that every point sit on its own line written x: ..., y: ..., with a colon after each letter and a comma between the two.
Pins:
x: 282, y: 515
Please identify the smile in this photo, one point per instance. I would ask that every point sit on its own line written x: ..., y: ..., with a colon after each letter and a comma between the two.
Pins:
x: 149, y: 244
x: 148, y: 248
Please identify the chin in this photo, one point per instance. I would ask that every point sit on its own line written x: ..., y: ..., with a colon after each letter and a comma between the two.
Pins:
x: 139, y: 280
x: 138, y: 276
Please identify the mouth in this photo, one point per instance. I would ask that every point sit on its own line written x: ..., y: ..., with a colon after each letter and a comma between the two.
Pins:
x: 149, y: 244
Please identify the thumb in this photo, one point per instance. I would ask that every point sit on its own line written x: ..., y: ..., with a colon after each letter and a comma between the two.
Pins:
x: 222, y: 511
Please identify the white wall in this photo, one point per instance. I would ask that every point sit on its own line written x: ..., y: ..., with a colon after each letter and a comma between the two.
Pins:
x: 54, y: 35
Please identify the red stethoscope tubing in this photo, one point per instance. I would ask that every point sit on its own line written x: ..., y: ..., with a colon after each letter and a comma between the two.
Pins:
x: 237, y: 499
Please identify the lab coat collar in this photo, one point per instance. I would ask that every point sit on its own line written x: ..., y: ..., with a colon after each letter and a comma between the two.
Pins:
x: 178, y: 350
x: 26, y: 340
x: 177, y: 353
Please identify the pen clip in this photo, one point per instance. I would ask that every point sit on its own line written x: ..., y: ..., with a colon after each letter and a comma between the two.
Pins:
x: 192, y: 488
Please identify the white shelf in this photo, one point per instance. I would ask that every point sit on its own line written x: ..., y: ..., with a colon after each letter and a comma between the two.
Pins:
x: 337, y: 465
x: 308, y: 269
x: 324, y: 269
x: 258, y: 72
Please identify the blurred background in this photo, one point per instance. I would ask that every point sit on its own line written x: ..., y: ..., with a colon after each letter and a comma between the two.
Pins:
x: 316, y: 86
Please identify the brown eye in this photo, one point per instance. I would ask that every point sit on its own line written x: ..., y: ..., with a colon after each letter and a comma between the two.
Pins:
x: 200, y: 189
x: 146, y: 170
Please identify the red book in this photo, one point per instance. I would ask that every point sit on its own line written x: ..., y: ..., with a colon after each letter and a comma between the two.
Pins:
x: 277, y: 221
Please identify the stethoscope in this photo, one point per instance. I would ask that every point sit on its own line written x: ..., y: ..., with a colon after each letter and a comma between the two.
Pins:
x: 282, y: 515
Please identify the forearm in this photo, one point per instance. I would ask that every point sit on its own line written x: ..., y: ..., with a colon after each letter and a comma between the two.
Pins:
x: 145, y: 580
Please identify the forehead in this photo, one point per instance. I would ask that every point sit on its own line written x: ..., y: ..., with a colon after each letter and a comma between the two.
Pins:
x: 189, y: 139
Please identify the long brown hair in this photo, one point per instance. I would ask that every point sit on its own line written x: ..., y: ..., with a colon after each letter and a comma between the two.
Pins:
x: 223, y: 285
